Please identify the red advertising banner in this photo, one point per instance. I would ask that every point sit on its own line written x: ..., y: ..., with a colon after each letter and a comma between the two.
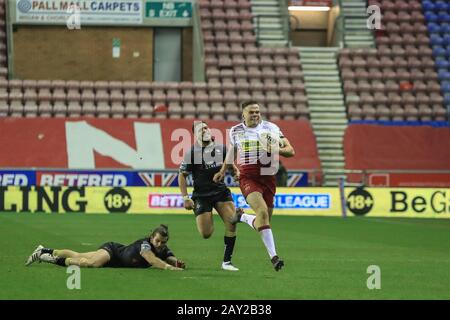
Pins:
x: 409, y: 179
x: 391, y: 148
x: 92, y: 143
x: 375, y: 147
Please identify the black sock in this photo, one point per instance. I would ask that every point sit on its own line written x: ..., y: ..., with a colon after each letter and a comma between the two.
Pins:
x: 60, y: 261
x: 47, y: 250
x: 229, y: 247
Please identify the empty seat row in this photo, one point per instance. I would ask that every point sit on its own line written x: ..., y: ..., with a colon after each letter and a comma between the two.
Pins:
x: 117, y: 87
x: 402, y: 5
x: 441, y: 16
x: 223, y: 25
x: 394, y: 98
x: 388, y: 62
x: 405, y: 39
x: 400, y: 74
x: 397, y: 113
x: 438, y: 28
x: 218, y: 4
x: 146, y: 110
x: 237, y: 62
x: 440, y: 5
x: 405, y: 27
x: 252, y: 52
x: 388, y: 86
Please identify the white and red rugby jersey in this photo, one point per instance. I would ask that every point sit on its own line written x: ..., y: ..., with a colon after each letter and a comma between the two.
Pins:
x: 246, y: 141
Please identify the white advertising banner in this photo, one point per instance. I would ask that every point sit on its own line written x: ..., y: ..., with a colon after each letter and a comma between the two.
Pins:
x: 87, y: 12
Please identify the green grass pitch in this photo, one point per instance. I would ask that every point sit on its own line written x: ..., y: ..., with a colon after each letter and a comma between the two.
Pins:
x: 326, y: 258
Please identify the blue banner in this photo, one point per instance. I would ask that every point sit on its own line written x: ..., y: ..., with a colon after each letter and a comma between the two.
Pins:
x: 292, y: 201
x: 17, y: 178
x: 111, y: 178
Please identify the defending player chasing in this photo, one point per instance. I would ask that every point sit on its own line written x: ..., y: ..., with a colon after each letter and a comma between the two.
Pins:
x: 257, y: 145
x: 143, y: 253
x: 203, y: 161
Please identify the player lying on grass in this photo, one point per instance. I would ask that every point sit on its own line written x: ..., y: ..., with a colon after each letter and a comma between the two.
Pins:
x: 203, y: 160
x: 143, y: 253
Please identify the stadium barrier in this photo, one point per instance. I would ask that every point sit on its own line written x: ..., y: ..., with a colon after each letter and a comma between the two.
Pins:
x: 97, y: 143
x: 119, y: 178
x: 409, y: 156
x: 400, y: 178
x: 371, y: 202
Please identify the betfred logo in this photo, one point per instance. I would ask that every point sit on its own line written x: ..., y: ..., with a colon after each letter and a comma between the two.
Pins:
x: 57, y: 179
x: 11, y: 179
x: 165, y: 201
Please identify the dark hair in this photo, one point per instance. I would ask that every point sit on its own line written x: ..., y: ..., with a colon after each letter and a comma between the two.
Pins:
x: 162, y: 229
x: 248, y: 103
x: 197, y: 123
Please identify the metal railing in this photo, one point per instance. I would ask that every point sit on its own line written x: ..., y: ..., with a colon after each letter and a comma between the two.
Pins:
x: 258, y: 23
x: 340, y: 25
x: 286, y: 25
x: 198, y: 59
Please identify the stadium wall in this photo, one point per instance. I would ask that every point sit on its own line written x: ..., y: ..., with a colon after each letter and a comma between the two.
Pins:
x: 61, y: 53
x: 376, y: 147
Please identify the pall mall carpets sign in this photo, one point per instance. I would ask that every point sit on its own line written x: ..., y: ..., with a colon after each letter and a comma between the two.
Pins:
x: 90, y: 12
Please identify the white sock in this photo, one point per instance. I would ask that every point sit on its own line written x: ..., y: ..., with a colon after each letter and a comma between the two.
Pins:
x: 267, y: 238
x: 248, y: 219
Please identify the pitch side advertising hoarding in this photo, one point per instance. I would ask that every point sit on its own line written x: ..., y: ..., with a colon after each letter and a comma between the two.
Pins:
x: 370, y: 202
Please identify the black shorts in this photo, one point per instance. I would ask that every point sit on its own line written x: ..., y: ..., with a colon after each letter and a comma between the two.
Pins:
x: 112, y: 248
x: 206, y: 204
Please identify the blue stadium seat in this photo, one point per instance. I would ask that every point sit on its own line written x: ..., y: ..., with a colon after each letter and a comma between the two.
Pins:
x: 442, y: 63
x: 428, y: 6
x: 447, y: 98
x: 442, y: 70
x: 447, y: 52
x: 446, y: 39
x: 439, y: 51
x: 443, y: 16
x: 441, y: 6
x: 434, y: 28
x: 443, y: 75
x: 436, y: 40
x: 445, y: 86
x: 445, y: 28
x: 431, y: 17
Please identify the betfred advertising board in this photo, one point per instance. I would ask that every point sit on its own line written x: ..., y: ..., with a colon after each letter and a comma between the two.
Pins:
x: 370, y: 202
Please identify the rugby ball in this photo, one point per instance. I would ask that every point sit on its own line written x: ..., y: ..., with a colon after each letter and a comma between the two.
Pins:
x: 270, y: 140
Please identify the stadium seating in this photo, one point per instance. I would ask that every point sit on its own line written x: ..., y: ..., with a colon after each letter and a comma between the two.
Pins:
x: 236, y: 69
x: 398, y: 80
x: 270, y: 75
x: 437, y: 15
